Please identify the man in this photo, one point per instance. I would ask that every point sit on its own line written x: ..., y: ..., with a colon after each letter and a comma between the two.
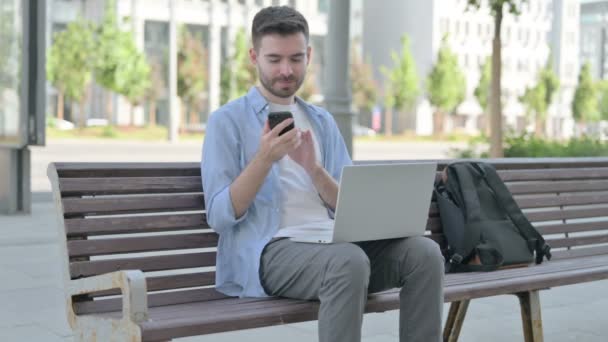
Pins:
x: 261, y: 187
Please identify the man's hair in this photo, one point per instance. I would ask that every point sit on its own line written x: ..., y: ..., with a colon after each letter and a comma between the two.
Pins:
x: 283, y: 20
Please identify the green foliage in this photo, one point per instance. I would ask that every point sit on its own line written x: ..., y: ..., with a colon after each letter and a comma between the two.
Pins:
x: 584, y: 104
x: 402, y: 88
x: 513, y: 6
x: 446, y: 83
x: 238, y: 74
x: 192, y: 69
x: 108, y: 56
x: 364, y: 87
x: 527, y: 145
x: 9, y: 40
x: 244, y: 71
x: 119, y: 65
x: 482, y: 91
x: 550, y: 82
x: 602, y: 88
x: 534, y: 100
x: 70, y: 59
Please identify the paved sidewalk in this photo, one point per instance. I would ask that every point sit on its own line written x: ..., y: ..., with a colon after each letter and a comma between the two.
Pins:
x: 32, y: 304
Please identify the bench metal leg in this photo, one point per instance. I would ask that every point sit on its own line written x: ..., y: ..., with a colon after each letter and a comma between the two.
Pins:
x: 531, y: 316
x: 458, y: 311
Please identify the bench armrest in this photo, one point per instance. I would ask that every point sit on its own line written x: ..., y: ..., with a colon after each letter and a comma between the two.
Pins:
x: 132, y: 285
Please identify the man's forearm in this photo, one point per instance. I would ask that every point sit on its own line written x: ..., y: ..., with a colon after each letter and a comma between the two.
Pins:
x: 246, y: 185
x: 325, y: 185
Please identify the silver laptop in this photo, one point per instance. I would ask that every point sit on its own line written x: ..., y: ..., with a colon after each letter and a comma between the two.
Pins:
x: 377, y: 202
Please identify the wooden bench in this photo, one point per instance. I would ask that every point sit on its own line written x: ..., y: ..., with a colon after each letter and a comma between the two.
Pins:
x: 139, y: 256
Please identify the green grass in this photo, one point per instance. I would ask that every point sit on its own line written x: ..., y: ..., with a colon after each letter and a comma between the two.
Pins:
x: 147, y: 133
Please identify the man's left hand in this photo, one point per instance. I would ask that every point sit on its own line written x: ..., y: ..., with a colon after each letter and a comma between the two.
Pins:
x: 304, y: 154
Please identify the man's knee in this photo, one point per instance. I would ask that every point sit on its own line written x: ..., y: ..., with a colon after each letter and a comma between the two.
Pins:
x: 351, y: 263
x: 425, y: 253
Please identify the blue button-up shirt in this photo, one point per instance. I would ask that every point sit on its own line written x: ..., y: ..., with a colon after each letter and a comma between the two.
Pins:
x: 231, y: 141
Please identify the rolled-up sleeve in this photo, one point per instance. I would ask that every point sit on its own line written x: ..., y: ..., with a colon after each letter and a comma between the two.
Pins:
x: 219, y: 167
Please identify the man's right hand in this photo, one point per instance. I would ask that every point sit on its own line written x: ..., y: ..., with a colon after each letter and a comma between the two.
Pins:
x: 274, y: 146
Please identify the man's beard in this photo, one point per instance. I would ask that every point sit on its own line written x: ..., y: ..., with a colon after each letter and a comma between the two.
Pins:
x: 282, y: 92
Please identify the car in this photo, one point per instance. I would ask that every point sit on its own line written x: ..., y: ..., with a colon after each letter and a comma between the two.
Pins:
x: 362, y: 131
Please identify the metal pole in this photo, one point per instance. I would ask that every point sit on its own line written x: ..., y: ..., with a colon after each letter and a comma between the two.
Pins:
x: 337, y: 90
x: 173, y: 105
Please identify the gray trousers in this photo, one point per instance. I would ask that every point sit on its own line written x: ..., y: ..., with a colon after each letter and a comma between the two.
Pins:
x: 341, y: 275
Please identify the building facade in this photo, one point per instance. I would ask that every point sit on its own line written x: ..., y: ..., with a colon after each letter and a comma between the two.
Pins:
x: 526, y: 45
x: 215, y: 22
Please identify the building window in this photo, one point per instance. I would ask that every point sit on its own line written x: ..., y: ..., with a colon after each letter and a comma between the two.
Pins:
x: 292, y: 3
x: 276, y: 2
x: 259, y: 3
x: 323, y: 6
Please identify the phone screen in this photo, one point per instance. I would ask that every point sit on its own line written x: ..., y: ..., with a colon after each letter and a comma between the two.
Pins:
x: 274, y: 118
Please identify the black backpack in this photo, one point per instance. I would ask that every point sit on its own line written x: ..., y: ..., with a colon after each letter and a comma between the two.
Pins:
x: 483, y: 226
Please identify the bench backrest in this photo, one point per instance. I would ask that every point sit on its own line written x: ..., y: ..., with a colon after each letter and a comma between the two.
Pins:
x: 151, y: 217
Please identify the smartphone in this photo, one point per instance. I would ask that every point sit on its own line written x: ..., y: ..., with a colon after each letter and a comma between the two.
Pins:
x: 274, y: 118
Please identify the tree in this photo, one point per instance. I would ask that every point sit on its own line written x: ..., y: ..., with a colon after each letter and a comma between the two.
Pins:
x: 69, y: 64
x: 157, y: 86
x: 534, y: 99
x: 497, y: 11
x: 108, y: 56
x: 547, y: 86
x: 364, y: 87
x: 133, y: 74
x: 602, y: 88
x: 402, y: 83
x: 192, y: 76
x: 584, y: 103
x: 244, y: 72
x: 446, y: 85
x: 238, y: 73
x: 482, y: 91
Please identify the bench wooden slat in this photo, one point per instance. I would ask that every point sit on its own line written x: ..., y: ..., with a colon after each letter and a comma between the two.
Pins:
x: 577, y: 241
x: 79, y: 248
x: 135, y: 224
x: 520, y: 188
x: 572, y: 227
x: 556, y: 214
x: 554, y: 200
x: 151, y: 263
x: 554, y: 174
x: 90, y: 170
x: 128, y: 185
x: 170, y: 282
x: 154, y: 299
x: 136, y: 204
x: 580, y: 252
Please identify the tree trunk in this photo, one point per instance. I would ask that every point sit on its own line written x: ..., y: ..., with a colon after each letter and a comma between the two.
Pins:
x: 152, y: 113
x: 83, y: 115
x: 539, y: 127
x: 496, y: 150
x: 182, y: 120
x: 388, y: 123
x: 132, y: 115
x: 60, y: 104
x: 438, y: 123
x: 109, y: 107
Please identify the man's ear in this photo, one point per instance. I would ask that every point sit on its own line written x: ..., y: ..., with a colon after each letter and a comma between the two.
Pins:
x: 253, y: 56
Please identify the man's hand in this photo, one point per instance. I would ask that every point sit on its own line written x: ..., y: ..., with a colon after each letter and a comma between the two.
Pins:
x: 274, y: 147
x: 304, y: 154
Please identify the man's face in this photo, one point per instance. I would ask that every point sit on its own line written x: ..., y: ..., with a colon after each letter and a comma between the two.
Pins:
x: 281, y: 62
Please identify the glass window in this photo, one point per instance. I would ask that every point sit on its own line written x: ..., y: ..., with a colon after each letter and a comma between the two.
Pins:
x: 323, y: 6
x: 10, y: 71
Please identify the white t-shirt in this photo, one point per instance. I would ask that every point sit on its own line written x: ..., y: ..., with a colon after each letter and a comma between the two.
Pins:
x: 303, y: 212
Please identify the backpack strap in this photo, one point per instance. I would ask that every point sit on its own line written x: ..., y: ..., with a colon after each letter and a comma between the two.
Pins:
x: 490, y: 258
x: 461, y: 186
x: 535, y: 240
